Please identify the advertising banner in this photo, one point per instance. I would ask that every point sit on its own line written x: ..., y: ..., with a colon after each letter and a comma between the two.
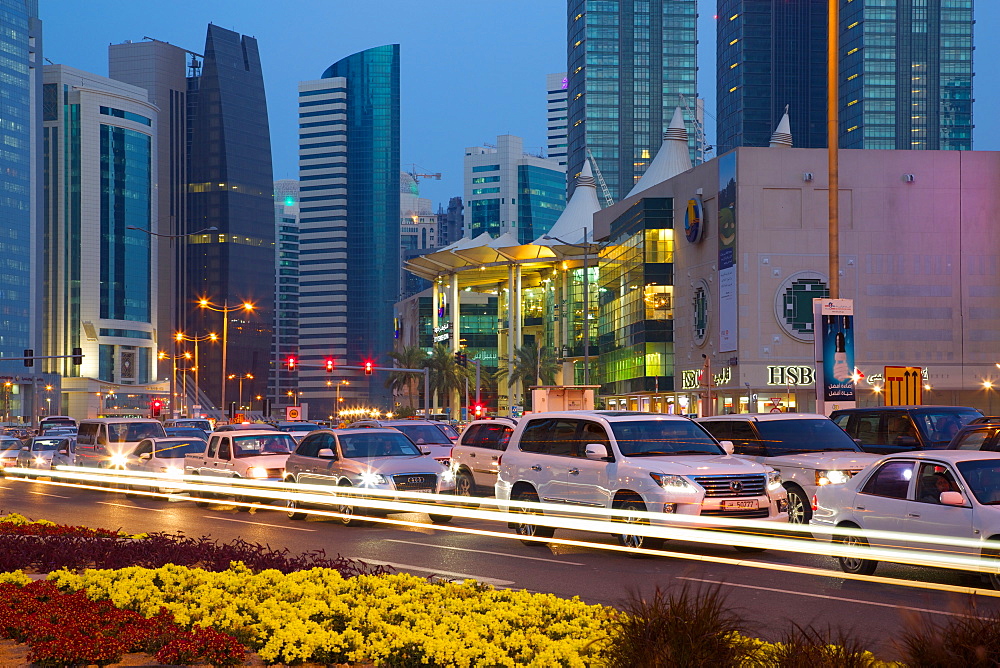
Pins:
x: 834, y: 328
x: 728, y: 296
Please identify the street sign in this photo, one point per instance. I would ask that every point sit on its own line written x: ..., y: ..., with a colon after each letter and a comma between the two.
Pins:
x: 775, y: 401
x: 903, y: 386
x: 239, y: 418
x: 293, y: 413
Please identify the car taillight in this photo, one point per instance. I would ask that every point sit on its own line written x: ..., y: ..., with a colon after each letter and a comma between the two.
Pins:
x: 815, y: 506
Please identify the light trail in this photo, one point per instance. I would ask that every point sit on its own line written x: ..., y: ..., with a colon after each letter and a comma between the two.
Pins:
x: 720, y: 533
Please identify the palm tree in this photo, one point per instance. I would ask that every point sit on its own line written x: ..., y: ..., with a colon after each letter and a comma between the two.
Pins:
x: 447, y: 378
x: 531, y: 364
x: 407, y: 357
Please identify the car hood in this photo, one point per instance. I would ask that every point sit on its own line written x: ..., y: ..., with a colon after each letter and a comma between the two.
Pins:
x: 843, y: 461
x: 393, y: 465
x: 265, y: 461
x: 699, y: 464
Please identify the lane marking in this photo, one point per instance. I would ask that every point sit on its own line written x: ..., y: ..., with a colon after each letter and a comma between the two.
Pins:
x: 427, y: 569
x: 827, y: 597
x: 497, y: 554
x: 58, y: 496
x: 260, y: 524
x: 122, y: 505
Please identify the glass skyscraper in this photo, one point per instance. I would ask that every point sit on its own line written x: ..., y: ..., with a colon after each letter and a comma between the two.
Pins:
x: 230, y: 188
x: 770, y: 54
x: 349, y: 207
x: 905, y: 68
x: 629, y: 62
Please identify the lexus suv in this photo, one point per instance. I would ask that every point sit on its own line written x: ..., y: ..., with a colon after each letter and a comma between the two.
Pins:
x: 664, y: 464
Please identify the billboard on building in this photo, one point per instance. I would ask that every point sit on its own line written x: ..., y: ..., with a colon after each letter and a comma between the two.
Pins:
x: 834, y: 329
x: 728, y: 306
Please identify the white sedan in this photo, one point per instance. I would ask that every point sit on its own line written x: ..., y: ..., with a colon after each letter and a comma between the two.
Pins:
x: 941, y: 502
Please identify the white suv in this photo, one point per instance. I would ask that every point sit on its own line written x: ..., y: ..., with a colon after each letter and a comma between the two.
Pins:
x: 475, y: 456
x: 632, y: 461
x: 807, y: 449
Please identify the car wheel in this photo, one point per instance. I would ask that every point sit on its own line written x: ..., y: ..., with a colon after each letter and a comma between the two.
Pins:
x: 633, y: 540
x: 199, y: 503
x: 440, y: 519
x: 130, y: 492
x: 239, y: 498
x: 350, y: 514
x: 464, y: 484
x: 799, y: 508
x: 292, y: 508
x: 531, y: 531
x: 855, y: 565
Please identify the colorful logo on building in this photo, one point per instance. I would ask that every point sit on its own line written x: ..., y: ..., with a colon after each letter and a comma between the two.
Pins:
x: 793, y: 303
x: 694, y: 220
x: 700, y: 307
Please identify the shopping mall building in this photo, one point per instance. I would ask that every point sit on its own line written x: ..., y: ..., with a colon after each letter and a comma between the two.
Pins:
x: 700, y: 283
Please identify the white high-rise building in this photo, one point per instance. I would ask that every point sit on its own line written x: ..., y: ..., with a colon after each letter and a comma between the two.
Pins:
x: 556, y: 113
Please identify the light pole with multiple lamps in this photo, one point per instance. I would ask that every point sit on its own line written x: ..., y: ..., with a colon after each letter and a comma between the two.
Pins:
x: 179, y: 337
x: 246, y: 376
x: 225, y: 310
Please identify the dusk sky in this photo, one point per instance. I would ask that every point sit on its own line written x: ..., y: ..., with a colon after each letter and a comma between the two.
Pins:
x: 470, y: 70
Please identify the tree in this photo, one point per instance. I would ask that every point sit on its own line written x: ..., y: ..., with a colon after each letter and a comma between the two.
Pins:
x: 531, y: 364
x: 447, y: 378
x: 408, y: 357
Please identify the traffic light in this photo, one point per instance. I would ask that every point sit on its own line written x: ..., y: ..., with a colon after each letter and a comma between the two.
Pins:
x: 461, y: 359
x: 329, y: 366
x: 157, y: 407
x: 29, y: 357
x: 368, y: 368
x: 78, y: 356
x: 479, y: 410
x: 291, y: 361
x: 465, y: 360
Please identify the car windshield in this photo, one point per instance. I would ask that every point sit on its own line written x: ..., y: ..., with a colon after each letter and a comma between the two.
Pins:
x: 185, y: 432
x: 380, y: 444
x: 449, y: 431
x: 301, y: 426
x: 122, y: 432
x: 983, y: 478
x: 663, y: 437
x: 10, y: 446
x: 423, y: 434
x: 45, y: 444
x: 177, y: 449
x: 939, y: 425
x: 265, y: 444
x: 204, y: 425
x: 783, y: 437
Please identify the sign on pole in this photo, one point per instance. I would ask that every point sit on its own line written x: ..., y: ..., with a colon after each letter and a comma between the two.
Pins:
x: 293, y: 413
x: 833, y: 325
x: 903, y: 386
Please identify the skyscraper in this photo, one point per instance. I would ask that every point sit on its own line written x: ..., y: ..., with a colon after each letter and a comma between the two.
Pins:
x: 510, y: 191
x: 283, y: 381
x: 770, y: 54
x: 100, y: 143
x: 629, y: 62
x: 349, y: 223
x: 905, y: 71
x: 555, y: 117
x: 230, y: 188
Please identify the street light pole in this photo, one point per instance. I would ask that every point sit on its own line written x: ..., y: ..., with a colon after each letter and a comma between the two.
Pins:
x: 225, y: 310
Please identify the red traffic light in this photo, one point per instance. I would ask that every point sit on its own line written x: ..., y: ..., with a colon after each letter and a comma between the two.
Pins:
x: 291, y: 362
x: 479, y: 410
x: 329, y: 366
x: 368, y: 368
x: 156, y: 406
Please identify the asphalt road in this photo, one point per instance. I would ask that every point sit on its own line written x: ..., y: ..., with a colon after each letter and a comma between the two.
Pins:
x: 768, y: 599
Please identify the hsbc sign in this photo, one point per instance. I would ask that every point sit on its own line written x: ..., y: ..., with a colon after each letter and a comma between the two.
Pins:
x: 791, y: 375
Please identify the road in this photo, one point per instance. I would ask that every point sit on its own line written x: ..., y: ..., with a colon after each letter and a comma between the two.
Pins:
x: 768, y: 598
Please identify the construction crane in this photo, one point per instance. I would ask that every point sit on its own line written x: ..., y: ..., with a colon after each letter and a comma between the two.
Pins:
x: 600, y: 179
x: 416, y: 176
x: 702, y: 147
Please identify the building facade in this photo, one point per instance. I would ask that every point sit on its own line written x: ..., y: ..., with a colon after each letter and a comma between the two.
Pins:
x: 99, y: 181
x: 770, y: 55
x: 349, y: 223
x: 905, y: 68
x: 508, y: 191
x: 628, y: 63
x: 556, y: 115
x: 451, y: 222
x: 231, y: 189
x: 283, y: 381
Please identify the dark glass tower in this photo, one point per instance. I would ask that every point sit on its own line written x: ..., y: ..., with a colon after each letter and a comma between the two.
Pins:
x: 771, y: 54
x: 629, y: 61
x: 230, y: 188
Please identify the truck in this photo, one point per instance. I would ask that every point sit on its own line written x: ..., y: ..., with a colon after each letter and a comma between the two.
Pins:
x: 248, y: 454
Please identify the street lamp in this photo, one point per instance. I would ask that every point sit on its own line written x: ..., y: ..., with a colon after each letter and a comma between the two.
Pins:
x: 247, y: 376
x: 586, y: 298
x: 343, y: 382
x: 213, y: 337
x: 225, y: 310
x: 173, y: 375
x: 988, y: 386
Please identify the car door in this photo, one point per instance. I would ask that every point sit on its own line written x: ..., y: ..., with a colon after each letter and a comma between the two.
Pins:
x: 883, y: 500
x: 486, y: 443
x: 320, y: 470
x: 926, y: 515
x: 542, y: 444
x: 589, y: 481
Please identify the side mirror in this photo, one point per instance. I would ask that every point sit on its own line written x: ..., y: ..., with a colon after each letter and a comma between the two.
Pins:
x: 727, y: 446
x: 64, y: 452
x: 326, y: 453
x: 25, y: 448
x: 596, y: 451
x: 952, y: 499
x: 146, y: 455
x: 858, y: 441
x: 425, y: 452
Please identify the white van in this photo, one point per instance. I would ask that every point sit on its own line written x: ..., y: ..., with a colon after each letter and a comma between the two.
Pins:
x: 107, y: 442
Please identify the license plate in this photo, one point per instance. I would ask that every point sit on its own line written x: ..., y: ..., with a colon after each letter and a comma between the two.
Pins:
x: 749, y: 504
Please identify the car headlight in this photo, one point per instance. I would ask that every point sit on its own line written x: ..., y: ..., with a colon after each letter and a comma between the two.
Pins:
x: 119, y: 460
x: 833, y: 477
x: 674, y: 483
x: 256, y: 472
x: 369, y: 479
x: 773, y: 481
x: 448, y: 476
x: 40, y: 460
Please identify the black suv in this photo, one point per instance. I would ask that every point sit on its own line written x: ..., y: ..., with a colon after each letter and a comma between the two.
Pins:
x: 890, y: 429
x: 980, y: 434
